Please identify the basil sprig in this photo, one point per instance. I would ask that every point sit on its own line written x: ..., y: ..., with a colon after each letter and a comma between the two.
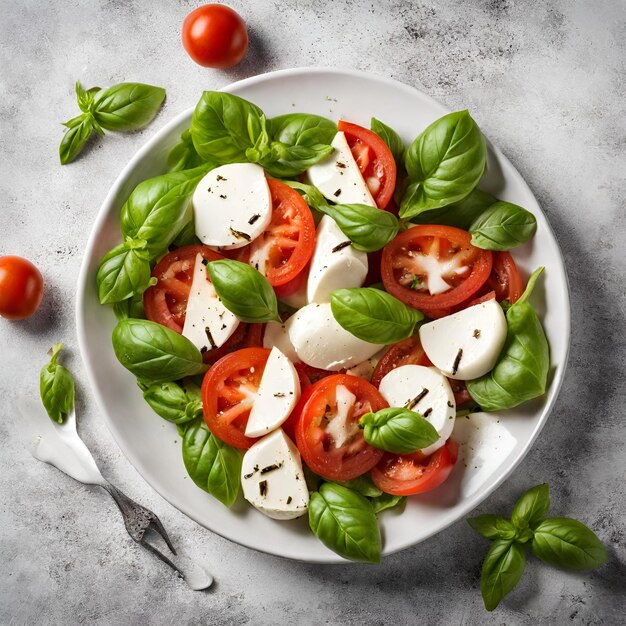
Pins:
x: 374, y: 315
x: 559, y: 541
x: 244, y: 291
x: 173, y: 402
x: 391, y: 138
x: 398, y: 430
x: 122, y: 107
x: 183, y: 156
x: 502, y: 227
x: 56, y: 387
x: 311, y: 194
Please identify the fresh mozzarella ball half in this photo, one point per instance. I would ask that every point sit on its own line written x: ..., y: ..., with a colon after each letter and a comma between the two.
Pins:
x: 466, y: 345
x: 232, y: 205
x: 272, y: 477
x: 321, y: 342
x: 278, y: 335
x: 425, y: 391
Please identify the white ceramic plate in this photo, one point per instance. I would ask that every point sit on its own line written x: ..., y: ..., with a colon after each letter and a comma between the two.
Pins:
x: 494, y: 445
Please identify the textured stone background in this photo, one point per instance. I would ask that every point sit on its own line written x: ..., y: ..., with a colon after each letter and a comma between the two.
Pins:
x: 546, y: 80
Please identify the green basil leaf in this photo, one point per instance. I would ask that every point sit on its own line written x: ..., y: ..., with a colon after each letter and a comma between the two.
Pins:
x: 311, y: 194
x: 391, y: 138
x: 374, y: 315
x: 386, y: 501
x: 521, y: 372
x: 212, y: 465
x: 444, y: 163
x: 155, y: 353
x: 492, y: 527
x: 368, y: 228
x: 183, y: 155
x: 187, y: 236
x: 174, y: 403
x: 124, y: 272
x: 344, y: 521
x: 127, y: 106
x: 461, y: 214
x: 502, y: 569
x: 75, y: 138
x: 56, y: 387
x: 285, y: 160
x: 398, y: 430
x: 244, y: 291
x: 363, y: 485
x: 532, y: 507
x: 131, y: 307
x: 85, y: 97
x: 225, y: 127
x: 502, y: 227
x: 568, y: 543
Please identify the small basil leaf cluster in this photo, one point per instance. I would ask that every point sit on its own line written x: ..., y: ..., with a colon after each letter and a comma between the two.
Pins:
x: 391, y: 138
x: 174, y: 402
x: 56, y: 387
x: 124, y: 107
x: 558, y: 541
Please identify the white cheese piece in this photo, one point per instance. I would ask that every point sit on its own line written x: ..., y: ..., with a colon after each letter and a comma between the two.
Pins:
x: 366, y: 368
x: 298, y: 298
x: 208, y: 323
x: 272, y: 477
x: 278, y: 335
x: 340, y: 428
x: 425, y: 391
x: 338, y: 177
x: 466, y: 345
x: 232, y: 205
x: 277, y: 396
x: 334, y: 264
x: 321, y: 342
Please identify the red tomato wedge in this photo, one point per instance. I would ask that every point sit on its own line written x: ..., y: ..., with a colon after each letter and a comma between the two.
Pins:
x: 441, y: 258
x: 409, y: 474
x: 316, y: 428
x: 406, y: 352
x: 374, y: 159
x: 229, y: 389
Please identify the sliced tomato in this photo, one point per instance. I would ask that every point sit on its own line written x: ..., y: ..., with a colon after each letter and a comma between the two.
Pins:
x: 289, y: 425
x: 229, y: 389
x: 431, y: 256
x: 312, y: 373
x: 353, y: 457
x: 461, y: 394
x: 245, y: 336
x: 505, y: 278
x: 374, y: 159
x: 406, y: 352
x: 283, y: 251
x: 408, y: 474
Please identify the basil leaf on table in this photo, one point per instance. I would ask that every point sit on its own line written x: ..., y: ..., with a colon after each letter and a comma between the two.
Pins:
x: 502, y: 569
x: 374, y: 315
x: 344, y: 521
x: 212, y: 465
x: 398, y: 430
x: 75, y: 138
x: 183, y: 155
x: 493, y: 527
x: 244, y: 291
x: 521, y: 372
x: 368, y: 228
x: 56, y: 387
x: 127, y: 106
x: 84, y: 97
x: 363, y: 485
x: 155, y: 353
x: 502, y: 227
x: 568, y: 543
x: 532, y: 507
x: 386, y: 501
x: 444, y: 163
x: 391, y: 138
x: 461, y: 214
x: 173, y: 402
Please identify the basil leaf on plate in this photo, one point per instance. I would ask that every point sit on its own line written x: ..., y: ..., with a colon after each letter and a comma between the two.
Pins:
x: 75, y: 138
x: 532, y: 507
x: 344, y: 521
x: 212, y: 464
x: 398, y: 430
x: 502, y: 569
x: 131, y: 307
x: 386, y: 501
x: 368, y: 228
x: 391, y: 138
x: 363, y: 485
x: 568, y: 543
x: 175, y: 403
x: 127, y: 106
x: 183, y: 155
x: 374, y: 315
x: 155, y: 353
x: 244, y: 291
x: 56, y: 387
x: 311, y: 194
x: 493, y: 527
x: 461, y: 214
x: 503, y: 226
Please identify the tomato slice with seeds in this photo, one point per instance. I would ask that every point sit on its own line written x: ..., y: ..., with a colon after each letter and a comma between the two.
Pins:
x: 432, y: 267
x: 406, y: 352
x: 245, y: 336
x: 289, y: 425
x: 229, y: 389
x: 328, y: 434
x: 375, y: 161
x: 505, y: 278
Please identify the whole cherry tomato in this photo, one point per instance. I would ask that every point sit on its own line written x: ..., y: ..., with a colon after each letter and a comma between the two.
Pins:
x: 21, y: 288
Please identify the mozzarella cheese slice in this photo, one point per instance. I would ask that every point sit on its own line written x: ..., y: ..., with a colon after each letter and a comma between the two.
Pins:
x: 338, y: 427
x: 338, y: 177
x: 208, y: 323
x: 232, y: 205
x: 277, y: 396
x: 321, y: 342
x: 425, y: 391
x: 278, y: 335
x: 466, y: 345
x: 335, y: 263
x: 272, y: 477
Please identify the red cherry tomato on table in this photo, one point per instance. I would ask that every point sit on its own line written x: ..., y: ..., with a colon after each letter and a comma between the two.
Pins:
x: 215, y: 36
x: 21, y: 288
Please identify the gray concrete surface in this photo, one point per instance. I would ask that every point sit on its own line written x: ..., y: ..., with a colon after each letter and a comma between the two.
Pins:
x: 546, y: 79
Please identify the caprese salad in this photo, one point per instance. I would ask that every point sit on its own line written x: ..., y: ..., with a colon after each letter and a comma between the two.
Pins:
x: 313, y: 305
